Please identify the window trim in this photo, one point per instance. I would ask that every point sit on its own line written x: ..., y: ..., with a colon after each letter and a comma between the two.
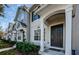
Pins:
x: 38, y: 35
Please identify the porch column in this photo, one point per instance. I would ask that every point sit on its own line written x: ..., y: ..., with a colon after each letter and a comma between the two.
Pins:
x: 21, y: 36
x: 68, y: 15
x: 25, y: 35
x: 13, y: 37
x: 42, y: 35
x: 17, y: 36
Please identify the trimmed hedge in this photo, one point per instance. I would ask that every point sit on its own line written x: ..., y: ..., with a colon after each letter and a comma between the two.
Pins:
x: 27, y: 48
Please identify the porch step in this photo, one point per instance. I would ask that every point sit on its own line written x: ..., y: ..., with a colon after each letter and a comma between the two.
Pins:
x: 52, y: 52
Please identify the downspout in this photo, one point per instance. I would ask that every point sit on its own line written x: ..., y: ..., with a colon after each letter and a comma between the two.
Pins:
x: 29, y: 26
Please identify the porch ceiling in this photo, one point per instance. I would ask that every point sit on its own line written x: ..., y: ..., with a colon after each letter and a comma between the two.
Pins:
x: 52, y: 8
x: 56, y: 18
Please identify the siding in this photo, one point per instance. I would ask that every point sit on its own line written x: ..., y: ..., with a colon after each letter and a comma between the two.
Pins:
x: 75, y: 41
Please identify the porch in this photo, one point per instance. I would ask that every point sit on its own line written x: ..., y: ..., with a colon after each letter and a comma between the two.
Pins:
x: 59, y: 42
x: 21, y: 34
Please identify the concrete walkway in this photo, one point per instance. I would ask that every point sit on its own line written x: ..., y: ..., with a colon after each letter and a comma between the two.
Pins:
x: 52, y: 52
x: 5, y: 49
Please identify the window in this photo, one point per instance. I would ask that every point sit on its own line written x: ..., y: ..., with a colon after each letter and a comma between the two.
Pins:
x: 37, y: 34
x: 35, y: 16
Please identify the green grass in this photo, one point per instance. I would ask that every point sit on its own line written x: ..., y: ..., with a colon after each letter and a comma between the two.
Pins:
x: 4, y: 44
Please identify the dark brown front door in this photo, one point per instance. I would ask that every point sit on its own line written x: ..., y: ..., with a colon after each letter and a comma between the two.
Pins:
x: 57, y: 36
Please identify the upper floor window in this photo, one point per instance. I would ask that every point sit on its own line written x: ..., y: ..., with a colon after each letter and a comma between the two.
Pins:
x: 35, y: 16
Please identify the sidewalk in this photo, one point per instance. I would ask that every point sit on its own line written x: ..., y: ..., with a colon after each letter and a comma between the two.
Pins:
x: 4, y: 49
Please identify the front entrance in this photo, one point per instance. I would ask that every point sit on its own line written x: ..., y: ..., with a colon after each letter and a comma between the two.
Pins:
x: 57, y: 36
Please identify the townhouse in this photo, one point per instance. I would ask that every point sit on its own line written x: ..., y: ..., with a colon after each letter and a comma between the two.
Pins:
x: 18, y: 30
x: 22, y: 24
x: 54, y: 27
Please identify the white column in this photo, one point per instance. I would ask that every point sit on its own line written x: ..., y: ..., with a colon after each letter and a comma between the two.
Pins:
x: 13, y: 37
x: 17, y: 36
x: 25, y: 35
x: 21, y: 37
x: 68, y: 15
x: 42, y: 35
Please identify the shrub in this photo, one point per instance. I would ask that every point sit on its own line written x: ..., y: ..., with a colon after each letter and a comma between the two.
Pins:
x: 27, y: 47
x: 19, y: 45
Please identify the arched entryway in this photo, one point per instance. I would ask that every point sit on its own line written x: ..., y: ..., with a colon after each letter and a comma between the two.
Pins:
x: 56, y: 25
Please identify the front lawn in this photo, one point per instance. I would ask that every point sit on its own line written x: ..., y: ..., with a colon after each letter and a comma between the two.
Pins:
x: 22, y: 48
x: 4, y: 44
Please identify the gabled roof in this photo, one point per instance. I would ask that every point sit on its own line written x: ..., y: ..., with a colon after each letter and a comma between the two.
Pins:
x: 24, y: 8
x: 23, y: 24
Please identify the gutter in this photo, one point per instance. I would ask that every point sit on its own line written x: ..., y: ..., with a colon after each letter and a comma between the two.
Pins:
x: 26, y: 9
x: 41, y: 8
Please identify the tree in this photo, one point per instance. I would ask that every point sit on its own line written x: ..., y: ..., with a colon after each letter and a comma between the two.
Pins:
x: 0, y: 28
x: 1, y: 32
x: 2, y: 6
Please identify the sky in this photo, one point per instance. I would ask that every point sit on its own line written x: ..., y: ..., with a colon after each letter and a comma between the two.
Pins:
x: 10, y: 13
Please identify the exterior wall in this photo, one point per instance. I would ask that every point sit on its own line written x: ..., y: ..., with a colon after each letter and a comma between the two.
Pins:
x: 34, y: 26
x: 75, y: 42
